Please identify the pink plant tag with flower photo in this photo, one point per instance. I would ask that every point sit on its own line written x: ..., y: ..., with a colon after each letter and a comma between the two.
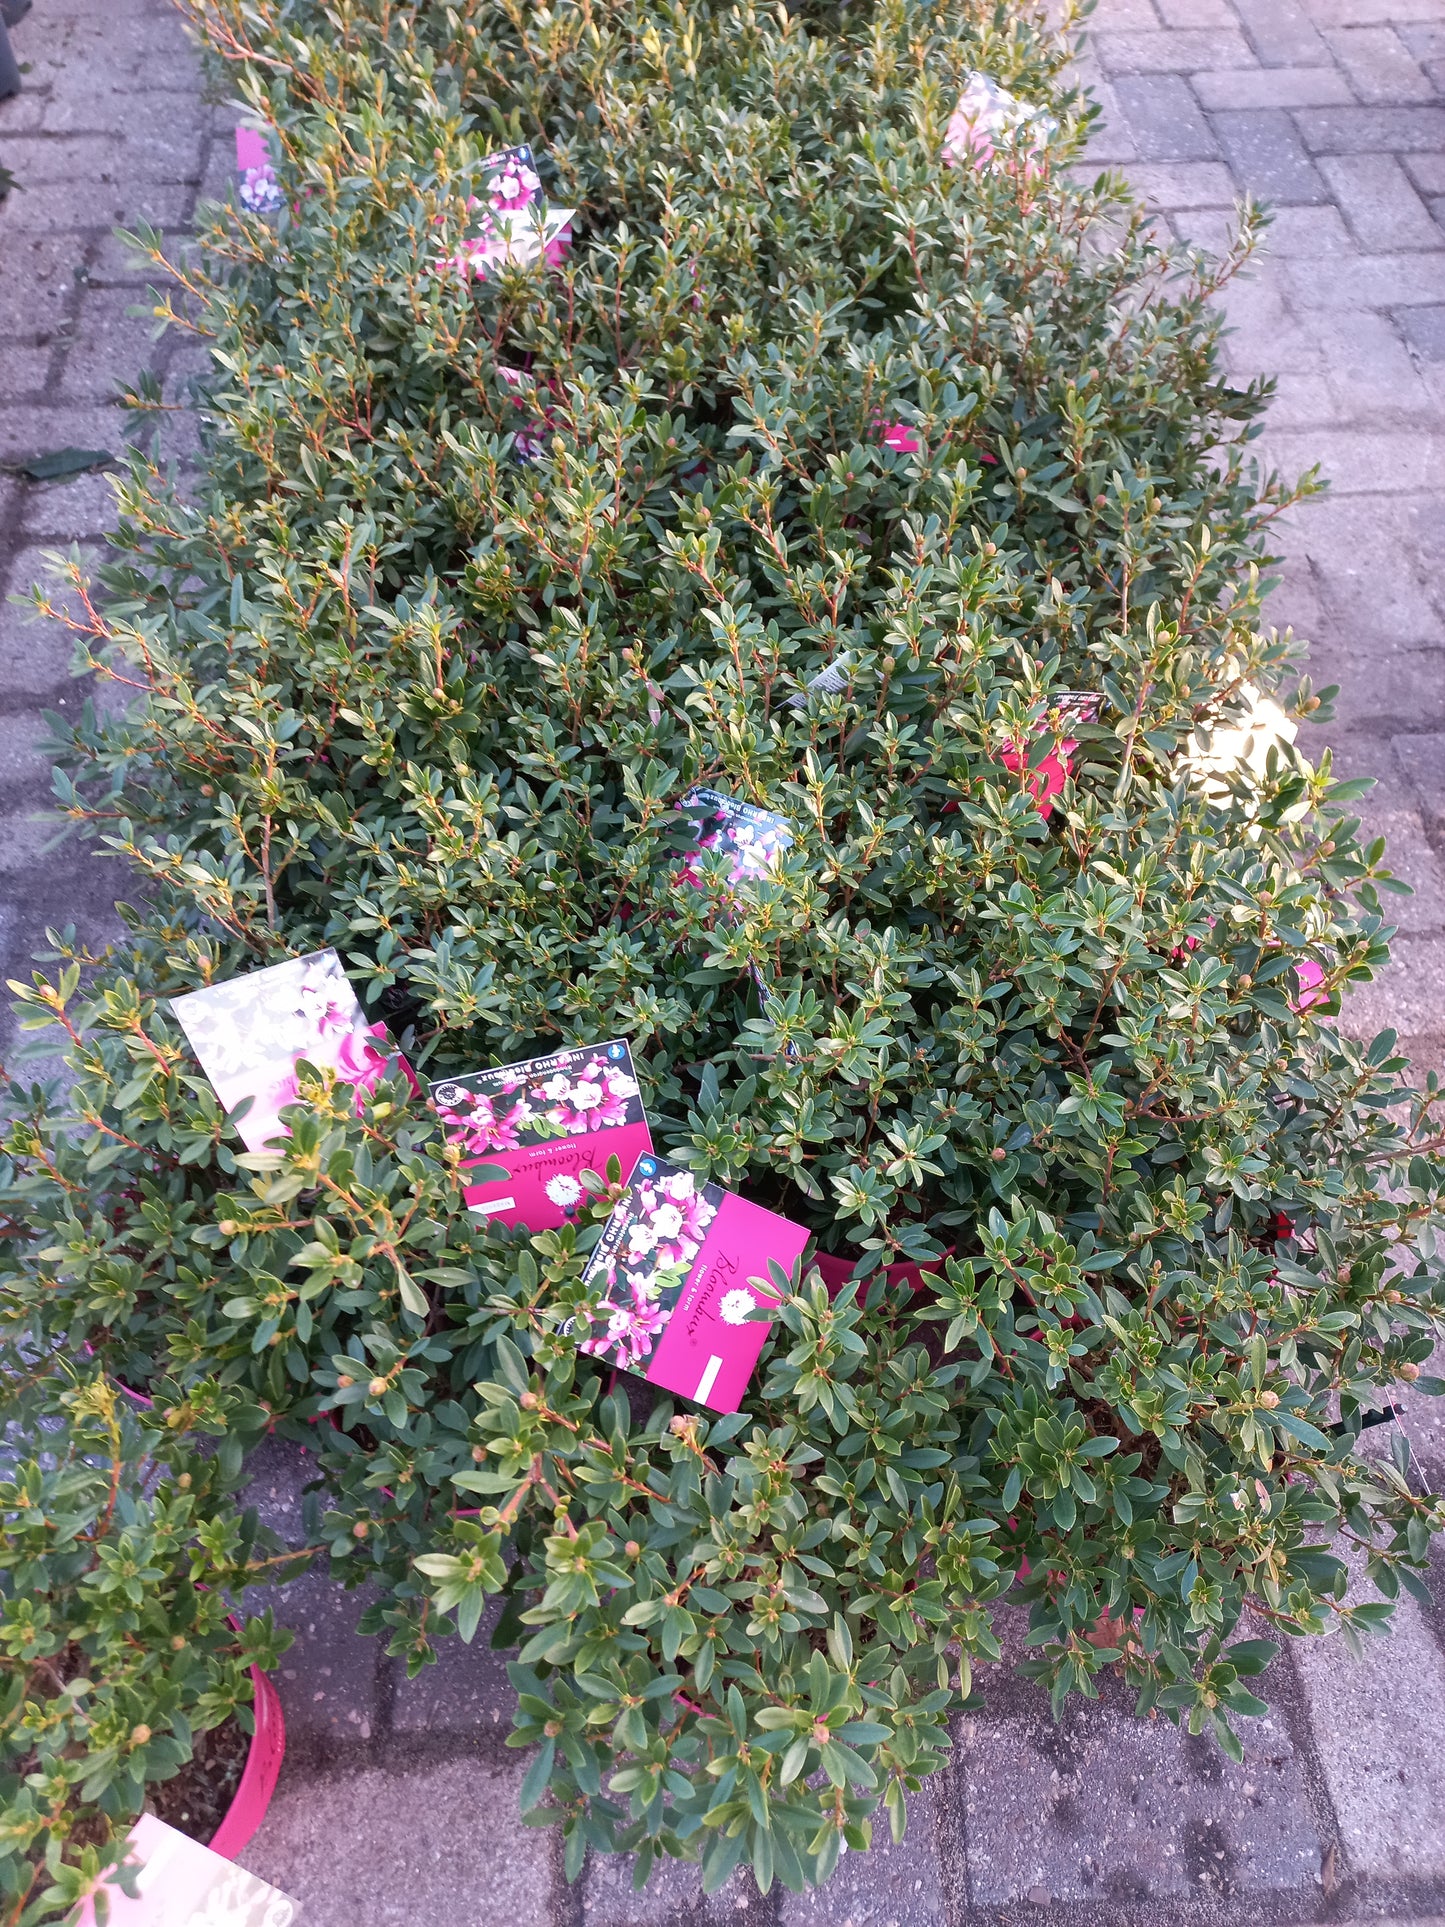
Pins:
x: 250, y: 1032
x: 509, y: 224
x: 753, y: 841
x: 180, y: 1883
x: 681, y: 1267
x: 543, y: 1122
x: 1046, y: 778
x: 988, y: 117
x: 256, y: 165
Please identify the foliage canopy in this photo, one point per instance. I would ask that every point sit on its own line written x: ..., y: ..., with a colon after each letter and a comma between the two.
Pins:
x: 399, y: 689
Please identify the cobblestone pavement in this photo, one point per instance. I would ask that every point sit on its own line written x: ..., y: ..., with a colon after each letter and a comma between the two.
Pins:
x: 397, y: 1801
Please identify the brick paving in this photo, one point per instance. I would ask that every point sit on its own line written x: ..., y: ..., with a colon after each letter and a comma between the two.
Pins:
x: 397, y: 1802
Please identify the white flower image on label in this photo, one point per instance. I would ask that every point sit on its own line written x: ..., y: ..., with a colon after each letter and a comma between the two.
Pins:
x: 667, y: 1221
x: 735, y: 1307
x: 563, y: 1190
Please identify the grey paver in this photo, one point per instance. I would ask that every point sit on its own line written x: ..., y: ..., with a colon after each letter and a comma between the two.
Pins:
x: 1377, y: 1720
x: 1267, y: 155
x: 1282, y: 33
x: 329, y: 1678
x: 1381, y: 68
x: 466, y: 1689
x: 1374, y: 281
x: 1380, y: 202
x: 672, y: 1895
x: 891, y: 1885
x: 1173, y: 52
x: 406, y: 1845
x: 1111, y: 1809
x: 1372, y: 130
x: 1197, y: 13
x: 66, y: 512
x: 1424, y: 329
x: 1322, y: 86
x: 1111, y: 15
x: 1164, y: 118
x: 1185, y: 184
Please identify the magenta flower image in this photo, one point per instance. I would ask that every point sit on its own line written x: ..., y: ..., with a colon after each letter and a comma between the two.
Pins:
x: 508, y: 223
x: 642, y: 1262
x: 256, y: 164
x: 589, y: 1090
x: 753, y: 840
x: 249, y: 1033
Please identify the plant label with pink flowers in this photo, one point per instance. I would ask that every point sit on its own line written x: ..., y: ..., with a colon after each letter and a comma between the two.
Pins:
x: 256, y: 166
x: 250, y: 1033
x: 1046, y: 777
x: 544, y: 1122
x: 988, y: 119
x: 509, y: 224
x: 751, y: 842
x: 682, y: 1267
x: 180, y: 1883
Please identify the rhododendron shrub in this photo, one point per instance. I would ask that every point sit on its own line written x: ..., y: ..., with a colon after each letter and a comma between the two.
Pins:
x: 849, y: 471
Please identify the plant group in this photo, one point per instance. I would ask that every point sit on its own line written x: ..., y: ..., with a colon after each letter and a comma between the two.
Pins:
x: 119, y: 1536
x: 482, y: 580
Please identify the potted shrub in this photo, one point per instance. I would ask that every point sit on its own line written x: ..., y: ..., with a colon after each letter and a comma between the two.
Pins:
x: 126, y: 1678
x: 405, y: 693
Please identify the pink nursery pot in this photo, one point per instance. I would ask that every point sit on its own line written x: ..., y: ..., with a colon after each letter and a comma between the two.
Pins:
x: 1046, y: 780
x: 835, y: 1271
x: 260, y: 1773
x: 182, y: 1882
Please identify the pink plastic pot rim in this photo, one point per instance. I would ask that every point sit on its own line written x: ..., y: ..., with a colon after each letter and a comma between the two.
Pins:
x: 835, y: 1271
x: 260, y: 1773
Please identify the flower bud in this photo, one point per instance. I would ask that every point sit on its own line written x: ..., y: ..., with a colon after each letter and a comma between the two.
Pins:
x: 479, y: 1452
x: 529, y: 1401
x: 377, y: 1387
x: 140, y: 1735
x: 1269, y: 1400
x: 360, y: 1529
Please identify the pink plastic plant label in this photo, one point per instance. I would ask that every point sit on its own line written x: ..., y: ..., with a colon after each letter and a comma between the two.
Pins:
x: 750, y: 841
x: 249, y: 1034
x: 510, y: 179
x: 529, y: 438
x: 988, y: 117
x: 181, y: 1883
x: 1311, y: 977
x: 509, y: 223
x: 256, y: 165
x: 1047, y: 777
x: 541, y: 1124
x: 681, y: 1268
